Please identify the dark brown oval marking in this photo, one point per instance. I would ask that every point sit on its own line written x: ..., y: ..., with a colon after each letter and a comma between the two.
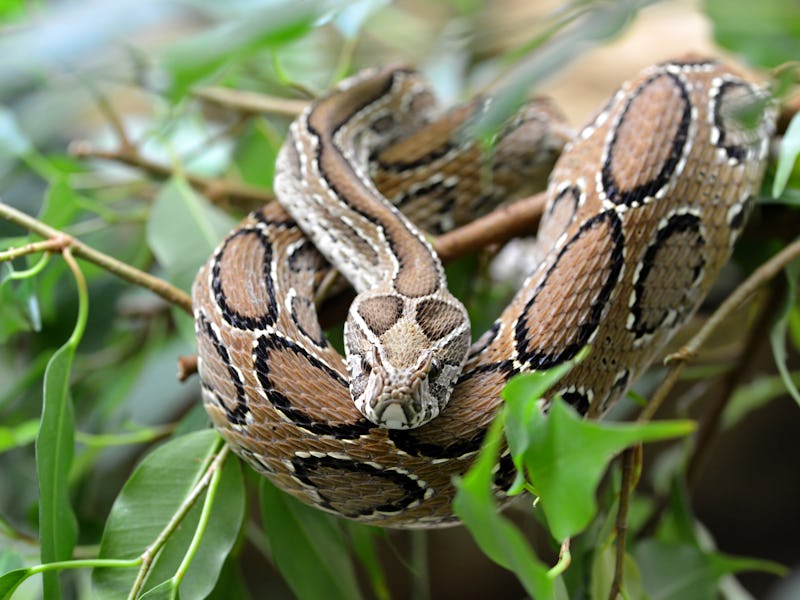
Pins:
x: 565, y: 309
x: 637, y: 166
x: 566, y: 204
x: 304, y: 315
x: 437, y: 318
x: 233, y: 387
x: 321, y: 389
x: 372, y: 489
x: 665, y: 288
x: 380, y: 313
x: 577, y: 399
x: 305, y: 257
x: 738, y: 117
x: 249, y: 302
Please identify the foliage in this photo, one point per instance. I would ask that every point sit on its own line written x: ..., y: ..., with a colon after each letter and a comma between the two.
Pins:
x: 132, y: 493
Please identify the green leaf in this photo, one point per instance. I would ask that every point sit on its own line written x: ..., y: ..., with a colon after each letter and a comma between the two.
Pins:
x: 520, y: 394
x: 10, y: 560
x: 58, y: 527
x: 183, y: 230
x: 790, y: 148
x: 61, y: 204
x: 678, y: 524
x: 149, y: 500
x: 18, y: 435
x: 308, y: 547
x: 766, y: 32
x: 202, y: 55
x: 227, y: 514
x: 566, y: 456
x: 590, y: 23
x: 230, y: 584
x: 256, y: 150
x: 603, y: 567
x: 676, y: 571
x: 755, y: 394
x: 777, y: 337
x: 362, y: 538
x: 500, y: 540
x: 10, y: 581
x: 19, y: 305
x: 11, y: 10
x: 164, y: 591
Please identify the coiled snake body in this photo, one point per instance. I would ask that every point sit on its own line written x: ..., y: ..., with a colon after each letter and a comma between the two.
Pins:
x: 645, y: 203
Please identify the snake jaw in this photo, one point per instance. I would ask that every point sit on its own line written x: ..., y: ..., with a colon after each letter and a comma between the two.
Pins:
x: 392, y: 398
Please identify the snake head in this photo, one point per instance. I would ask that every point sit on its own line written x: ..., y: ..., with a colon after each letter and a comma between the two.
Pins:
x: 401, y: 378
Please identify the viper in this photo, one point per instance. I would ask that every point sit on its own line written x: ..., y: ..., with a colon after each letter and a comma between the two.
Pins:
x: 644, y: 205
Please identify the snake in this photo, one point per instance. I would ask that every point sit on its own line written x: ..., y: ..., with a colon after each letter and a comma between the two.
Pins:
x: 644, y: 205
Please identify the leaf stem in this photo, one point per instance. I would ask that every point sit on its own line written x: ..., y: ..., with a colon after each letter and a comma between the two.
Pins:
x: 144, y: 435
x: 149, y: 554
x: 83, y: 298
x: 33, y: 271
x: 564, y: 560
x: 202, y: 524
x: 419, y: 564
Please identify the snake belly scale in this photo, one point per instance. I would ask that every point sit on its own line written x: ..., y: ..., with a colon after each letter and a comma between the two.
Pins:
x: 645, y: 203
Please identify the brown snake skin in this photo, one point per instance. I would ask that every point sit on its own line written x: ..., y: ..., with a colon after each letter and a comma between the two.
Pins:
x: 645, y: 204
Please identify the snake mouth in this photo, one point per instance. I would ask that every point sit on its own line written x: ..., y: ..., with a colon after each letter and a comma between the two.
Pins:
x: 397, y: 414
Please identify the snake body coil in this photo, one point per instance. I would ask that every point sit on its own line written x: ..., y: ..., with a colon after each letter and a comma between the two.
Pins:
x: 645, y: 204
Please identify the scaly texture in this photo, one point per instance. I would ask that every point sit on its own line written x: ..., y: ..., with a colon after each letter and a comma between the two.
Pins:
x: 645, y: 204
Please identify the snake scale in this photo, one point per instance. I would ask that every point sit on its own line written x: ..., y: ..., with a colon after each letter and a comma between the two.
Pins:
x: 645, y: 203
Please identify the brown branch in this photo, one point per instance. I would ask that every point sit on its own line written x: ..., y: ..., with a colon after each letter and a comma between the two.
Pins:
x: 187, y: 366
x: 167, y: 291
x: 55, y: 244
x: 114, y: 119
x: 678, y: 360
x: 250, y: 102
x: 219, y: 191
x: 709, y: 424
x: 499, y: 226
x: 630, y: 459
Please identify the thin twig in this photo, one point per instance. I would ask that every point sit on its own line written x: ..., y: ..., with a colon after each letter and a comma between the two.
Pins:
x: 709, y: 424
x: 55, y: 244
x: 220, y: 191
x: 250, y: 102
x: 678, y: 360
x: 502, y: 224
x: 187, y: 366
x: 114, y: 119
x: 629, y: 460
x: 131, y: 274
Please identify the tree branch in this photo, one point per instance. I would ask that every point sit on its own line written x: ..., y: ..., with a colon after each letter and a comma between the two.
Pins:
x: 219, y: 191
x: 167, y: 291
x: 250, y: 102
x: 678, y: 360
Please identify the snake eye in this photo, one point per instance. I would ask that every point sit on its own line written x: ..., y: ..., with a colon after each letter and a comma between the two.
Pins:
x: 435, y: 369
